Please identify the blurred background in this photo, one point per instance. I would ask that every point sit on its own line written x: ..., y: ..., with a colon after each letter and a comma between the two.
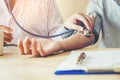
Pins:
x: 69, y: 7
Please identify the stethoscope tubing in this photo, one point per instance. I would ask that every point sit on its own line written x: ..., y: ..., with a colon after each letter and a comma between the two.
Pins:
x: 37, y: 35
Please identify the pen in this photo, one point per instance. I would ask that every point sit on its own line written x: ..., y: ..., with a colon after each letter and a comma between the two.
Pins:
x: 81, y: 57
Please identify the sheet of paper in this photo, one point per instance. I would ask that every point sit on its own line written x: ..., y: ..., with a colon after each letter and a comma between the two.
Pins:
x: 94, y: 60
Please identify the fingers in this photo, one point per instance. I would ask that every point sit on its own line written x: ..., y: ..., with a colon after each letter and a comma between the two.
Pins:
x: 40, y: 49
x: 20, y: 46
x: 81, y: 17
x: 27, y: 45
x: 24, y: 46
x: 86, y: 20
x: 71, y: 23
x: 37, y: 48
x: 34, y: 48
x: 92, y: 21
x: 89, y: 20
x: 93, y: 18
x: 76, y: 21
x: 8, y: 29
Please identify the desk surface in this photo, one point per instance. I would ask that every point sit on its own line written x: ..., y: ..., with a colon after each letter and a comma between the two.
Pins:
x: 14, y: 66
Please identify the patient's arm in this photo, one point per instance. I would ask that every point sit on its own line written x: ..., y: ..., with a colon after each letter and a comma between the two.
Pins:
x: 76, y: 41
x: 45, y: 47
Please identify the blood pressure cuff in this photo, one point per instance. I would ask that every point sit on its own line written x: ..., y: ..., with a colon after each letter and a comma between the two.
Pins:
x: 62, y: 29
x: 97, y: 27
x: 96, y: 30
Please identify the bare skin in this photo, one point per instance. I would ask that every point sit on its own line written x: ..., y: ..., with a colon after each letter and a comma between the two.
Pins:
x: 45, y: 47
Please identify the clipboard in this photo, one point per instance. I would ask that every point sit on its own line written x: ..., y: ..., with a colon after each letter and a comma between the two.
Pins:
x: 96, y: 62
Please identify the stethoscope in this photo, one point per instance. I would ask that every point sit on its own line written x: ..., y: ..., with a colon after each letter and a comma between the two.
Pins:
x: 68, y: 32
x: 37, y: 35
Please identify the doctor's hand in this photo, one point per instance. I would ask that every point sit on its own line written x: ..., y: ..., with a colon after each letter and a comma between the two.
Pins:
x: 7, y: 33
x: 77, y: 20
x: 37, y: 47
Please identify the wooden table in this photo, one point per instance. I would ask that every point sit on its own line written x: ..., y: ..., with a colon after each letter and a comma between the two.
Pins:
x: 14, y: 66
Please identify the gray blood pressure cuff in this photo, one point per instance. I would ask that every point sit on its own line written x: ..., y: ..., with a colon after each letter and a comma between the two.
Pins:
x: 85, y: 32
x: 97, y: 27
x: 68, y: 34
x: 96, y: 31
x: 60, y: 30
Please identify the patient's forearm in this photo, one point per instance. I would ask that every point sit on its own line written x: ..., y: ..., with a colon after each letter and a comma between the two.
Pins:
x: 76, y: 41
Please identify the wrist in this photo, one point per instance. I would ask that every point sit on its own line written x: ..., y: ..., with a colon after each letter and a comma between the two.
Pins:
x: 59, y: 46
